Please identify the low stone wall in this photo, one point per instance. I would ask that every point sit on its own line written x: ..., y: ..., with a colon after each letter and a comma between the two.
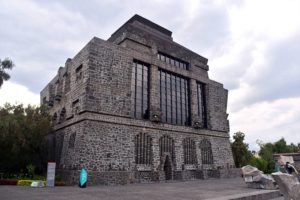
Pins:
x: 71, y: 177
x: 192, y: 174
x: 230, y: 173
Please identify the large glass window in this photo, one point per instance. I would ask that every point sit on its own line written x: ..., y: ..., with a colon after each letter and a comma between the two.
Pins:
x: 139, y: 90
x: 202, y: 103
x: 174, y: 98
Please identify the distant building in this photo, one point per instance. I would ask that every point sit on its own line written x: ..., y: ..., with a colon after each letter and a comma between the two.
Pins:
x: 296, y: 158
x: 138, y: 107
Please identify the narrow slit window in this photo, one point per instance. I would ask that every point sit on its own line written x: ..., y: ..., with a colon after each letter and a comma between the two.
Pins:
x: 140, y: 90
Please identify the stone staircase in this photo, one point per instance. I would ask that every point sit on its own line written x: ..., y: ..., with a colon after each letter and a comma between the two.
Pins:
x: 258, y: 195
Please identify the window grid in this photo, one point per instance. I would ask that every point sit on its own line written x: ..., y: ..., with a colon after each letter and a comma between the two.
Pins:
x: 143, y: 149
x: 139, y: 90
x: 189, y: 150
x: 174, y: 98
x: 206, y: 152
x: 172, y: 61
x: 202, y: 103
x: 166, y: 145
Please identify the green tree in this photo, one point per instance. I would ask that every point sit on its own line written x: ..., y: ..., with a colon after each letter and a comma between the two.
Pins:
x: 4, y: 65
x: 240, y: 150
x: 282, y: 147
x: 268, y: 149
x: 266, y: 152
x: 22, y: 137
x: 294, y: 148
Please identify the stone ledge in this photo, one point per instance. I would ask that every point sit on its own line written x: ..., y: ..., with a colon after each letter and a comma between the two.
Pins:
x: 103, y: 117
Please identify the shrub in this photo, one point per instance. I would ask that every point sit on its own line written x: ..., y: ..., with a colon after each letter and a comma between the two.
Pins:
x: 8, y: 182
x: 27, y: 182
x: 260, y: 163
x: 24, y: 182
x: 38, y: 177
x: 30, y: 169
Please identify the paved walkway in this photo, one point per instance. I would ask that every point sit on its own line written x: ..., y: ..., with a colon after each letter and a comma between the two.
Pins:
x: 193, y: 190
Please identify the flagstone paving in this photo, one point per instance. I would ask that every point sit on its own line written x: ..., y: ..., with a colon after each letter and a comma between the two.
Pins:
x: 200, y: 189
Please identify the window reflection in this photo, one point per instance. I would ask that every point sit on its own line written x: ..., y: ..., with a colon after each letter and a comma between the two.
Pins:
x: 202, y: 103
x: 173, y: 98
x: 139, y: 90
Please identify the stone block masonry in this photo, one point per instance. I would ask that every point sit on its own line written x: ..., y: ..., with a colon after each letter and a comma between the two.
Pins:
x: 138, y: 108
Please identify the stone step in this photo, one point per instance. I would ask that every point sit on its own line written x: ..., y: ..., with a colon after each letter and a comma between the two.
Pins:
x: 278, y: 198
x: 258, y: 195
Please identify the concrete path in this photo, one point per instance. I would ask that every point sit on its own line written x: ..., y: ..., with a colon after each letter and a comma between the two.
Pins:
x: 193, y: 190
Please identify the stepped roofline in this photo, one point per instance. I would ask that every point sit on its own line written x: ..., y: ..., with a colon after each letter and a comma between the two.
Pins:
x: 144, y: 21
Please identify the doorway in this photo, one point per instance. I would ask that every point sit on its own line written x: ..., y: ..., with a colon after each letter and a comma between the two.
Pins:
x: 168, y: 168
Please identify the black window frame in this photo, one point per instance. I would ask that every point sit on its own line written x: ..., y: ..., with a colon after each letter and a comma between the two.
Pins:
x: 206, y: 152
x: 176, y: 62
x: 169, y: 101
x: 201, y: 103
x: 189, y: 151
x: 144, y: 108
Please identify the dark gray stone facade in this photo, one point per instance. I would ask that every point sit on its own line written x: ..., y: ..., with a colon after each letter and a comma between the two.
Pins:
x: 94, y: 127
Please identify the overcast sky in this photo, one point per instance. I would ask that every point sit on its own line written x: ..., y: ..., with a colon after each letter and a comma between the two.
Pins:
x: 253, y: 47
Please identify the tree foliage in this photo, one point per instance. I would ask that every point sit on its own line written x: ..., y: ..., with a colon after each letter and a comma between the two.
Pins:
x: 240, y: 150
x: 268, y: 149
x: 4, y: 65
x: 259, y: 163
x: 22, y: 133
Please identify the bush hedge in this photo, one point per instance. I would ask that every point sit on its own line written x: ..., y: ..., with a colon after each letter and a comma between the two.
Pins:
x: 27, y: 182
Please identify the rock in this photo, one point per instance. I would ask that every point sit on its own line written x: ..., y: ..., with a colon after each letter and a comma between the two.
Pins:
x: 37, y: 184
x: 255, y: 178
x: 288, y: 184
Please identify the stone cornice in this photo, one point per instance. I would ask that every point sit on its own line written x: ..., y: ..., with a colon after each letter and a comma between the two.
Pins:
x: 122, y: 120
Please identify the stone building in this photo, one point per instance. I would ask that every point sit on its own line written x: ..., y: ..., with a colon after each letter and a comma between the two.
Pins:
x: 295, y: 156
x: 138, y: 107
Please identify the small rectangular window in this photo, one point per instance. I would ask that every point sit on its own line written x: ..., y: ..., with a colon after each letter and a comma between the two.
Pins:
x: 173, y: 61
x: 78, y: 73
x: 167, y: 60
x: 72, y: 140
x: 75, y: 107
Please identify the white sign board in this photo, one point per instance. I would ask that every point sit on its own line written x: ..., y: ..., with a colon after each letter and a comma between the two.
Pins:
x: 50, y: 174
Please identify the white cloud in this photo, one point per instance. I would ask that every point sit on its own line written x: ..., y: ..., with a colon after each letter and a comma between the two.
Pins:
x: 268, y: 121
x: 252, y: 47
x: 39, y: 38
x: 14, y: 93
